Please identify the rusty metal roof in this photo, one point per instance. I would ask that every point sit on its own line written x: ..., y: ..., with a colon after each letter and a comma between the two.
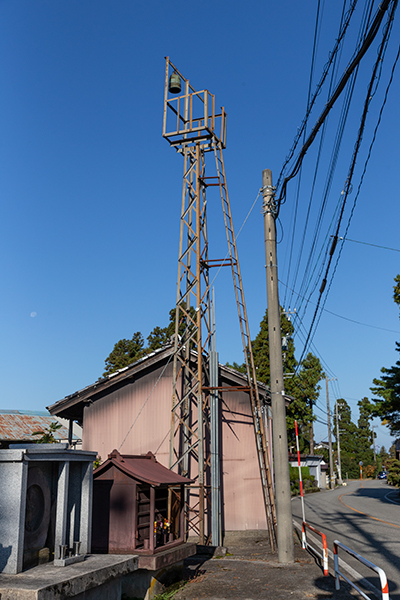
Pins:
x: 18, y: 425
x: 143, y: 467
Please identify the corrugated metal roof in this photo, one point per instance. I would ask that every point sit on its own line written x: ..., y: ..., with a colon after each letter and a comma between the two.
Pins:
x: 19, y: 425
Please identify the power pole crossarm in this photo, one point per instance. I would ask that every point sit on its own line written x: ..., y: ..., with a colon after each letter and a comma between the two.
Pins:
x: 280, y: 445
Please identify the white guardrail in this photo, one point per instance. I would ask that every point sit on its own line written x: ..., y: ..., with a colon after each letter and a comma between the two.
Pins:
x: 364, y: 561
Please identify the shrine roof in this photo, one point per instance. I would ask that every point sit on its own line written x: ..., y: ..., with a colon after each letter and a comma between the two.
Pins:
x: 143, y: 467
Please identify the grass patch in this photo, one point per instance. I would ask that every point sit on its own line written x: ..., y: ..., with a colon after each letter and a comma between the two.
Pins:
x: 171, y: 591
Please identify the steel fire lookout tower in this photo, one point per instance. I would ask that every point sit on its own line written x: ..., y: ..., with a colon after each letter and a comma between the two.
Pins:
x: 194, y: 128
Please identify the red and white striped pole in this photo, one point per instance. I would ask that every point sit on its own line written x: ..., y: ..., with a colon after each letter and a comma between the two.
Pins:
x: 300, y: 477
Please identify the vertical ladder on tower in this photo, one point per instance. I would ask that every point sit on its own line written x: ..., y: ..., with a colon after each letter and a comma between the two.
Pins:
x: 259, y: 427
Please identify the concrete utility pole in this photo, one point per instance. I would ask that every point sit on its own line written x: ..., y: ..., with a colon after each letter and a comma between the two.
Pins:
x: 340, y: 481
x: 373, y: 440
x: 332, y: 478
x: 280, y: 444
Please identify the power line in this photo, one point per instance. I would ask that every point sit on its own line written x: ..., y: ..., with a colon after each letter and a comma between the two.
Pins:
x: 335, y: 152
x: 327, y: 67
x: 380, y: 59
x: 347, y: 187
x: 323, y: 309
x: 359, y: 322
x: 369, y: 244
x: 308, y: 278
x: 366, y: 43
x: 314, y: 51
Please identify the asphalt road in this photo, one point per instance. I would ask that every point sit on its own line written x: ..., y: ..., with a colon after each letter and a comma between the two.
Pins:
x: 365, y: 516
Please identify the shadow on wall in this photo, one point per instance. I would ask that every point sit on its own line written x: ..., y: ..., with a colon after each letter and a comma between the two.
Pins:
x: 5, y: 553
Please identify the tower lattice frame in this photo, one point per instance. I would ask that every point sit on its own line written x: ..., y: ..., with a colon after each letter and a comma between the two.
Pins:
x: 192, y: 126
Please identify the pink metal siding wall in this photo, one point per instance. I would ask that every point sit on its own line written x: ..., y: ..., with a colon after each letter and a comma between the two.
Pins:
x: 108, y: 420
x: 242, y: 490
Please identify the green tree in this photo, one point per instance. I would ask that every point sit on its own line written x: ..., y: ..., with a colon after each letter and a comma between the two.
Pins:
x: 396, y: 290
x: 125, y: 352
x: 381, y: 459
x: 162, y: 335
x: 387, y: 405
x: 387, y: 388
x: 47, y: 434
x: 304, y: 388
x: 241, y: 368
x: 364, y: 435
x: 261, y: 348
x: 348, y: 444
x: 301, y: 386
x: 355, y: 440
x: 157, y: 338
x: 384, y: 456
x: 393, y: 476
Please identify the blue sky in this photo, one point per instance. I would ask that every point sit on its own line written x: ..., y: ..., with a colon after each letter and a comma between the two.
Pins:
x: 90, y: 191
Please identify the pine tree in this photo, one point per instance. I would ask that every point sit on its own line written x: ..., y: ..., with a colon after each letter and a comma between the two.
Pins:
x: 387, y: 406
x: 125, y: 352
x: 355, y: 440
x: 261, y: 349
x: 348, y: 443
x: 365, y: 433
x: 302, y: 386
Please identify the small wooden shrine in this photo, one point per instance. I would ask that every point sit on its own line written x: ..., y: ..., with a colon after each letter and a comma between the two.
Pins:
x: 137, y: 506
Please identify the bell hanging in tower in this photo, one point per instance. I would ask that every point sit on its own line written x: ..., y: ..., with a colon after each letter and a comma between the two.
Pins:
x: 174, y: 84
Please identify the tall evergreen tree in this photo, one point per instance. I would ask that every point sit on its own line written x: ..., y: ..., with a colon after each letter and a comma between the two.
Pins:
x: 125, y: 352
x: 348, y: 442
x: 383, y: 455
x: 301, y: 386
x: 365, y: 433
x: 261, y: 348
x: 304, y: 388
x: 387, y: 406
x: 387, y: 388
x: 355, y: 440
x: 157, y: 338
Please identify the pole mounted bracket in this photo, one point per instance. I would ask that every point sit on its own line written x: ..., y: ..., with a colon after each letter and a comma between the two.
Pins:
x: 269, y: 203
x: 270, y: 207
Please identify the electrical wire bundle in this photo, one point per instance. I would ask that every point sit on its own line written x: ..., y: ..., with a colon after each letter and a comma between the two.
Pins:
x: 319, y: 156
